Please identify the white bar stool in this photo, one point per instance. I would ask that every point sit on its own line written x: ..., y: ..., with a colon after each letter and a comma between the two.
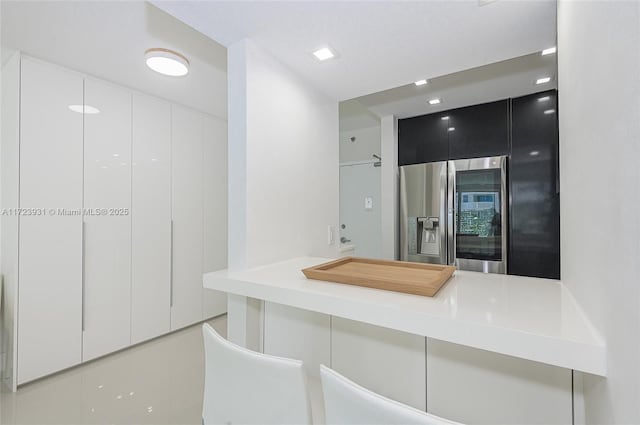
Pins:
x: 245, y: 387
x: 347, y: 403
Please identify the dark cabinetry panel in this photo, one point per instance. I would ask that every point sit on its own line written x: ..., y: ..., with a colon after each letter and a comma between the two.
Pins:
x: 534, y: 187
x: 470, y: 132
x: 422, y: 139
x: 478, y: 131
x: 529, y: 134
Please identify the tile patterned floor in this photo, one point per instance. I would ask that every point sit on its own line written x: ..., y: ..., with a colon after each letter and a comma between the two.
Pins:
x: 158, y: 382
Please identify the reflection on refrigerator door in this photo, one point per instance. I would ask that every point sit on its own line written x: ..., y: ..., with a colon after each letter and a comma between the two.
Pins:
x: 455, y: 213
x: 423, y: 189
x: 477, y: 201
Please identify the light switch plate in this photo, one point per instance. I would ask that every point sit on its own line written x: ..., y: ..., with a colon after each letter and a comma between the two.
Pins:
x: 331, y: 230
x: 368, y: 203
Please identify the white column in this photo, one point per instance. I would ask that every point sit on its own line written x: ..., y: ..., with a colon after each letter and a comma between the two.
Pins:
x: 283, y: 172
x: 244, y: 321
x: 389, y: 182
x: 599, y: 151
x: 243, y: 314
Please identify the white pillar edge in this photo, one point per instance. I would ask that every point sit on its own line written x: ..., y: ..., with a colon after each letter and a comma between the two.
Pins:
x: 389, y: 187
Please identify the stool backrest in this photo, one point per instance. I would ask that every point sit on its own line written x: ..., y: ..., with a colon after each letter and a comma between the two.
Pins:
x: 347, y: 403
x: 245, y: 387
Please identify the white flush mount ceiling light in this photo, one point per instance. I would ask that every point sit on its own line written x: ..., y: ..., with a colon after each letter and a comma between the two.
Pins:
x: 451, y: 129
x: 87, y: 109
x: 434, y: 101
x: 549, y: 51
x: 543, y: 80
x: 549, y: 111
x: 544, y: 98
x: 445, y: 118
x: 534, y: 153
x: 420, y: 82
x: 324, y: 53
x: 167, y: 62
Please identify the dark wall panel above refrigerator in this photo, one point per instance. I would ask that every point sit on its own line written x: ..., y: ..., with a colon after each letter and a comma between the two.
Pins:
x: 534, y: 187
x: 422, y: 139
x: 479, y: 131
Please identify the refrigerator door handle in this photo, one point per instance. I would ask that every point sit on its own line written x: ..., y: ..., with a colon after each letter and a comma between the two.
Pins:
x: 451, y: 215
x: 444, y: 243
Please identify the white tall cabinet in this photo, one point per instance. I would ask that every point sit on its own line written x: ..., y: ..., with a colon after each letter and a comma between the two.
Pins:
x: 107, y: 220
x: 151, y: 218
x: 186, y: 210
x: 123, y: 208
x: 49, y: 324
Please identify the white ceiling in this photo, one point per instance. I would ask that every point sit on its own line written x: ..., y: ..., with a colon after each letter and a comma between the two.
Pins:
x: 511, y: 78
x: 108, y: 40
x: 381, y: 44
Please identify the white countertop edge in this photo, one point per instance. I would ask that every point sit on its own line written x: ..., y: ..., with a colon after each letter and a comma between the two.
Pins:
x: 588, y: 357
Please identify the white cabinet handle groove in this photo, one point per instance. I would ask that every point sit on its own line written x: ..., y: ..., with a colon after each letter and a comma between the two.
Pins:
x: 171, y: 270
x: 83, y: 272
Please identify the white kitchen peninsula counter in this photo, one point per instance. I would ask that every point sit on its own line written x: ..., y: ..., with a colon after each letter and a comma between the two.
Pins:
x: 527, y: 318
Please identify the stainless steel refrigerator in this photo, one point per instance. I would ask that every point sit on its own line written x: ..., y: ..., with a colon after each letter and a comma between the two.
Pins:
x: 455, y: 212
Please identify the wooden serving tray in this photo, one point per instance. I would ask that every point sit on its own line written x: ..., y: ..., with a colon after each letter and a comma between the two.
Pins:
x: 399, y: 276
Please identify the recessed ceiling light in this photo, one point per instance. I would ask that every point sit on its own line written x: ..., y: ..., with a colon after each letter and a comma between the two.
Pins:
x: 549, y: 51
x: 544, y: 98
x: 445, y: 118
x: 167, y: 62
x: 451, y: 129
x: 84, y: 108
x: 543, y: 80
x: 420, y: 82
x: 434, y: 101
x: 534, y: 153
x: 323, y: 54
x: 549, y: 111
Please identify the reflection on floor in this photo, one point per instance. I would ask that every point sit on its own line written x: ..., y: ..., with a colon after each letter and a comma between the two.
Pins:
x: 158, y: 382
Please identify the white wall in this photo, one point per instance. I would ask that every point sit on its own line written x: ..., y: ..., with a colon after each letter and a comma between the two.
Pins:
x: 283, y: 161
x: 599, y: 85
x: 366, y: 144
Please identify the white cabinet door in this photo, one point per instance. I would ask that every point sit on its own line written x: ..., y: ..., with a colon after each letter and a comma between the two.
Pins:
x: 479, y: 387
x: 303, y: 335
x: 298, y: 334
x: 187, y: 177
x: 50, y: 270
x: 107, y: 227
x: 151, y: 219
x: 385, y: 361
x: 215, y: 210
x: 10, y: 179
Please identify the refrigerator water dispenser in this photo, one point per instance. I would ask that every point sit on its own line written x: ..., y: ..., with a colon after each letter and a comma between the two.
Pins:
x: 428, y: 231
